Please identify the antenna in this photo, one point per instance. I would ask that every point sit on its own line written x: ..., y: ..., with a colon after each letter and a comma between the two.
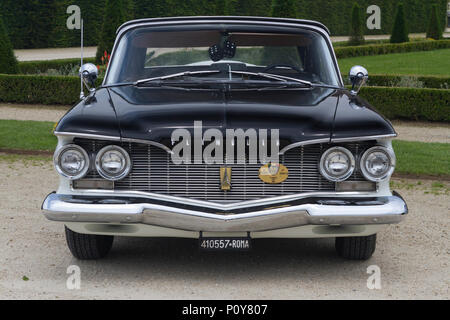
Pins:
x: 82, y: 49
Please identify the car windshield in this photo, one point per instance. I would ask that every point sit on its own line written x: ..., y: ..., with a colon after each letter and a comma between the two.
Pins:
x: 150, y: 53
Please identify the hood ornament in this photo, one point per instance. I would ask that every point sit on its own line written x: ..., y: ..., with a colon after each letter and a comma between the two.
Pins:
x: 225, y: 178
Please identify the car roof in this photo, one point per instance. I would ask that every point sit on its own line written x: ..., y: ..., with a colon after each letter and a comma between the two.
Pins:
x: 225, y: 19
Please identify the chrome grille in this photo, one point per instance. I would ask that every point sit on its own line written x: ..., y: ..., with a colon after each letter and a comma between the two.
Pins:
x: 153, y: 171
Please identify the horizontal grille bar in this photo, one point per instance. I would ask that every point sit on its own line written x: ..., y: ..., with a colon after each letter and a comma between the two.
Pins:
x: 153, y: 171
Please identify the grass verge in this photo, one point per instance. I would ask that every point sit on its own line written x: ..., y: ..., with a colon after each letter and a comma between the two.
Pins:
x: 27, y: 135
x: 435, y: 62
x: 422, y: 158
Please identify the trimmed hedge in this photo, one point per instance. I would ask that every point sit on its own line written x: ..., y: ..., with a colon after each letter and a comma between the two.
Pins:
x: 39, y: 89
x: 394, y: 103
x: 410, y: 103
x: 387, y: 80
x: 376, y: 49
x: 35, y: 67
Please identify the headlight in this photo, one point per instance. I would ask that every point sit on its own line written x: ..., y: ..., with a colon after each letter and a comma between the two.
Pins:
x: 377, y: 163
x: 337, y: 164
x: 113, y: 163
x: 71, y: 161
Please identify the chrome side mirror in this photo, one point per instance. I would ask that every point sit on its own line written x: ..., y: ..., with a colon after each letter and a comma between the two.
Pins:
x: 89, y: 74
x: 358, y: 77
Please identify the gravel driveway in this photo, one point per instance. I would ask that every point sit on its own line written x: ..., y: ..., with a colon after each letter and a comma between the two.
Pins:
x: 413, y: 256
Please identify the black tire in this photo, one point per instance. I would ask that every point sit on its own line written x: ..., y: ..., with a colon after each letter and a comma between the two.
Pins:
x: 88, y: 246
x: 356, y: 248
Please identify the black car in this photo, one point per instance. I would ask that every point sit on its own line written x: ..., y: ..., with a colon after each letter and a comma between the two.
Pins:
x: 224, y: 129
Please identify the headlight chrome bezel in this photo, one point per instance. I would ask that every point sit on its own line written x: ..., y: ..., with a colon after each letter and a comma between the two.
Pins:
x: 57, y: 161
x: 325, y: 173
x: 106, y: 175
x: 392, y: 162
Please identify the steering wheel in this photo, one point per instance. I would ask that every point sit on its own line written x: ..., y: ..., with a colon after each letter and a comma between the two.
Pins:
x: 274, y: 66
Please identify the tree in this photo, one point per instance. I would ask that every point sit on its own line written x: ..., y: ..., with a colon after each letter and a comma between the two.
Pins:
x: 356, y: 26
x: 399, y: 32
x: 434, y: 30
x: 115, y: 14
x: 284, y: 9
x: 221, y: 8
x: 8, y: 62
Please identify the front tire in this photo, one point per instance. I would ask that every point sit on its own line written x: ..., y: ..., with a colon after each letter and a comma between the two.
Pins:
x: 88, y: 246
x: 356, y: 248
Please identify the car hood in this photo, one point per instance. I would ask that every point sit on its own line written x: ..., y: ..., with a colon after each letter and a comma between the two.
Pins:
x: 154, y: 113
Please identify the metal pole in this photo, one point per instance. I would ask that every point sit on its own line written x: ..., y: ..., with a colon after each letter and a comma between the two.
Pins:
x: 81, y: 75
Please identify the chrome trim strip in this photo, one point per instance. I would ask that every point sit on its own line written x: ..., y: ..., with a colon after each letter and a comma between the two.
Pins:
x: 216, y: 205
x: 152, y: 143
x: 303, y: 143
x: 392, y: 211
x: 112, y: 138
x: 87, y: 135
x: 364, y: 138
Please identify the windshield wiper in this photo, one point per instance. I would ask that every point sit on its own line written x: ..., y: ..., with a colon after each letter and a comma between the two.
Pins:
x: 273, y: 77
x: 176, y: 75
x: 284, y: 79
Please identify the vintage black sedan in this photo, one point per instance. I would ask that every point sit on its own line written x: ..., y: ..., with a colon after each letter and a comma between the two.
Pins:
x: 226, y: 130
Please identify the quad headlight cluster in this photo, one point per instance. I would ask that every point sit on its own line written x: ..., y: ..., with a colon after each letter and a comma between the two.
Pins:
x: 376, y: 164
x: 111, y: 162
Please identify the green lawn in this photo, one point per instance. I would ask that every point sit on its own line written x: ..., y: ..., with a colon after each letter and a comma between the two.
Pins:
x: 27, y: 135
x: 422, y: 158
x: 417, y: 158
x: 436, y: 62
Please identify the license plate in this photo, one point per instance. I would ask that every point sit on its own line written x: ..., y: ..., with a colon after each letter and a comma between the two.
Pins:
x: 232, y: 244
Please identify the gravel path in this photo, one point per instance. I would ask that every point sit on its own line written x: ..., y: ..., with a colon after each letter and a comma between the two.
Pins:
x: 32, y: 112
x: 413, y: 256
x: 410, y: 131
x: 53, y: 53
x: 422, y: 131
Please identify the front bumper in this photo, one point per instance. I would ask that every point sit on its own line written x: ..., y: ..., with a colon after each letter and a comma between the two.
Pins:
x: 309, y: 211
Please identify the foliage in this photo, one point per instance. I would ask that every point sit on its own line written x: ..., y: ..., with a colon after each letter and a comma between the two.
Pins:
x: 42, y: 23
x: 284, y: 8
x: 388, y: 48
x: 399, y: 32
x: 414, y: 81
x: 8, y: 62
x: 116, y: 13
x: 410, y: 103
x: 434, y: 30
x: 356, y: 27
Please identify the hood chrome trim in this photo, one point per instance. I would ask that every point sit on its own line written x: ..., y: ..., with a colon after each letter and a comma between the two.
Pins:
x: 364, y: 138
x: 112, y: 138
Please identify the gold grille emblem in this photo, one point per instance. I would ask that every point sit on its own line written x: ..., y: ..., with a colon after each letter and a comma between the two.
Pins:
x: 225, y: 178
x: 273, y: 173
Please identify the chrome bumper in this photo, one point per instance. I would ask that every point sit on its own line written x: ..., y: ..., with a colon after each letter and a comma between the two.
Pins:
x: 311, y: 211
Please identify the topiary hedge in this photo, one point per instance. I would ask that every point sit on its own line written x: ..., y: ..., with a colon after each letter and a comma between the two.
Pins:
x: 386, y: 48
x: 394, y: 103
x: 410, y: 103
